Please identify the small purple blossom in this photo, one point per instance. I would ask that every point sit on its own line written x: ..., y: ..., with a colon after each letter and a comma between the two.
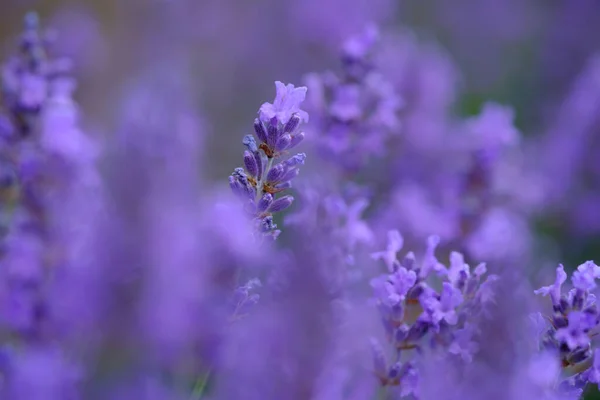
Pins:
x: 585, y: 276
x: 287, y: 103
x: 395, y: 243
x: 463, y: 343
x: 554, y: 290
x: 575, y: 334
x: 444, y: 307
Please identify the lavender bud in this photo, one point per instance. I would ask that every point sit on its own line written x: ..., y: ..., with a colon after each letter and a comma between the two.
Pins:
x: 417, y: 331
x: 250, y: 143
x: 562, y: 306
x: 267, y: 224
x: 259, y: 164
x: 296, y: 160
x: 284, y: 185
x: 401, y: 333
x: 578, y: 299
x: 296, y: 139
x: 264, y: 202
x: 289, y: 175
x: 415, y: 292
x: 250, y: 163
x: 559, y: 321
x: 462, y: 280
x: 394, y: 372
x: 238, y: 181
x: 283, y: 142
x: 292, y: 124
x: 579, y: 355
x: 281, y: 204
x: 259, y: 129
x: 272, y: 134
x: 235, y: 185
x: 593, y: 310
x: 276, y: 173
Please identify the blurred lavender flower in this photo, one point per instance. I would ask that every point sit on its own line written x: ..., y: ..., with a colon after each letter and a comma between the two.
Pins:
x: 54, y: 161
x: 573, y: 325
x: 567, y: 162
x: 355, y: 113
x: 49, y: 233
x: 417, y: 317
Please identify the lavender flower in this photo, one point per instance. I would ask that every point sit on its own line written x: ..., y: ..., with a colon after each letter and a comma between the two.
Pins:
x: 54, y: 161
x: 356, y: 112
x: 265, y: 174
x: 573, y: 325
x: 416, y: 316
x: 50, y: 229
x: 144, y: 280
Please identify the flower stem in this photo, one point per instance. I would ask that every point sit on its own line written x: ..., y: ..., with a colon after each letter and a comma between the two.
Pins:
x: 200, y: 386
x: 261, y: 181
x: 382, y: 392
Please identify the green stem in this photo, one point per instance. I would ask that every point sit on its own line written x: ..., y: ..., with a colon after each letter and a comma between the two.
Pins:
x: 200, y: 386
x: 579, y: 367
x: 382, y: 393
x: 263, y: 178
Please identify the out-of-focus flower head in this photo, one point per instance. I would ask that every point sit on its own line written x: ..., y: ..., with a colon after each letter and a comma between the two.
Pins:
x: 354, y: 113
x: 425, y: 305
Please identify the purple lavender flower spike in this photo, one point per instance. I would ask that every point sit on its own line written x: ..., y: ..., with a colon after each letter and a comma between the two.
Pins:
x: 493, y: 128
x: 265, y: 173
x: 419, y: 319
x: 355, y: 112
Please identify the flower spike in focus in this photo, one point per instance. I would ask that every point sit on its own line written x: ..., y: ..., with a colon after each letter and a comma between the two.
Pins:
x: 265, y: 173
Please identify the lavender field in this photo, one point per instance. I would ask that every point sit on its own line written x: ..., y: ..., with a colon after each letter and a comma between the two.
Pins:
x: 299, y: 200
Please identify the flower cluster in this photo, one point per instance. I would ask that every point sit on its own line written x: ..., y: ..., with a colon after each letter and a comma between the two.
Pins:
x: 265, y: 174
x: 570, y: 330
x: 356, y: 112
x: 416, y: 315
